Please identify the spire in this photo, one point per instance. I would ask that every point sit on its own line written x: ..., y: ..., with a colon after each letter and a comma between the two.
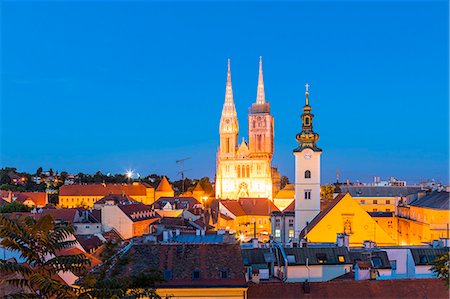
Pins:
x: 307, y: 94
x: 260, y: 96
x: 228, y: 106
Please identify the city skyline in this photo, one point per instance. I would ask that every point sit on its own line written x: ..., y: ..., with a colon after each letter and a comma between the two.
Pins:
x: 146, y: 92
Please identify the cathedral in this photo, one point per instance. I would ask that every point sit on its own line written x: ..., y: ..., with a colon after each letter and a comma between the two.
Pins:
x: 245, y: 169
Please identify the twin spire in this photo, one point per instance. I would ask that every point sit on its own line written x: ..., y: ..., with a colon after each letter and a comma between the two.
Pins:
x: 260, y: 94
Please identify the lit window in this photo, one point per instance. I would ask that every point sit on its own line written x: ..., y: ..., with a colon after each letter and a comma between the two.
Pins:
x: 388, y: 202
x: 341, y: 259
x: 321, y: 258
x: 363, y: 201
x: 388, y: 210
x: 291, y: 233
x: 375, y: 201
x: 277, y: 233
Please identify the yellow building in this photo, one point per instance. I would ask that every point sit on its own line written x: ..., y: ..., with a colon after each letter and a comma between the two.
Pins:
x: 73, y: 196
x: 245, y: 169
x: 247, y: 217
x: 345, y: 215
x: 164, y: 189
x: 424, y: 219
x: 285, y: 197
x: 378, y: 198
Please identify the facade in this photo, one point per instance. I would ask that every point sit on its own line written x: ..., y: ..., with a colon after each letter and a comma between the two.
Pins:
x: 248, y: 217
x: 345, y: 215
x: 245, y: 169
x: 283, y: 231
x: 285, y: 197
x: 424, y: 219
x: 73, y: 196
x: 307, y: 171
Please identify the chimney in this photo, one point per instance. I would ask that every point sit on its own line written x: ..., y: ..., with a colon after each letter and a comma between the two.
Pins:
x: 343, y: 240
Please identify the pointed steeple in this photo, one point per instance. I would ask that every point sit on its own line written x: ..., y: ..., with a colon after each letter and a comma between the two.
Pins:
x: 307, y: 94
x: 228, y: 107
x: 260, y: 95
x: 307, y: 137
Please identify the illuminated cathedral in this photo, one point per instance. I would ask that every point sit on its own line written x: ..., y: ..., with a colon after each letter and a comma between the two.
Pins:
x: 245, y: 169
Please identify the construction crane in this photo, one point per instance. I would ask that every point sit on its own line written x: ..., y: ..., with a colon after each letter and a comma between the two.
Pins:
x: 181, y: 161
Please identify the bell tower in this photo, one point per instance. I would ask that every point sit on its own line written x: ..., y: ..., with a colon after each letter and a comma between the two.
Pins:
x: 260, y: 122
x: 307, y: 171
x: 229, y: 128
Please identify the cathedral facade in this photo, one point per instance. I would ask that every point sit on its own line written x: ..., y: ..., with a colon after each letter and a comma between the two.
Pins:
x: 245, y: 169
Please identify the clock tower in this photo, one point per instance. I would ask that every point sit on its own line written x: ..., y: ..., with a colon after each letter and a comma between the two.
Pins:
x: 307, y: 171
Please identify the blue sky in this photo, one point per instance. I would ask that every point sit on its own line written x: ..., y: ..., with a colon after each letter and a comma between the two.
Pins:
x: 109, y: 86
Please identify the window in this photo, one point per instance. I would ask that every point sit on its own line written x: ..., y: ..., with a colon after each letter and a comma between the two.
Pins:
x: 375, y: 201
x: 321, y: 258
x: 388, y: 210
x: 277, y: 233
x: 375, y: 210
x: 393, y: 265
x: 363, y: 201
x: 307, y: 194
x: 307, y: 174
x: 341, y: 259
x: 376, y: 262
x: 291, y: 233
x: 306, y: 121
x: 223, y: 274
x: 167, y: 274
x: 423, y: 259
x: 196, y: 274
x: 388, y: 202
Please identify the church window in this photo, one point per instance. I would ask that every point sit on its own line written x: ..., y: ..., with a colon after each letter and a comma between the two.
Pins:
x: 248, y: 171
x: 291, y: 233
x: 227, y: 146
x: 277, y: 233
x: 258, y: 142
x: 307, y: 194
x: 307, y: 174
x: 254, y: 124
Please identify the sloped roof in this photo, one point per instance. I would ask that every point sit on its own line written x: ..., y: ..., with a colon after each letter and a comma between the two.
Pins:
x: 287, y: 192
x: 234, y: 207
x: 198, y: 188
x: 136, y: 189
x: 88, y: 242
x: 182, y: 259
x: 366, y: 255
x: 39, y: 198
x: 321, y: 215
x: 137, y: 211
x: 426, y: 256
x: 436, y: 200
x: 116, y: 198
x: 257, y: 206
x: 177, y: 201
x: 164, y: 186
x: 379, y: 191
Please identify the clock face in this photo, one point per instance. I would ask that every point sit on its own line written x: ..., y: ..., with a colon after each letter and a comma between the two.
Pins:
x: 307, y: 155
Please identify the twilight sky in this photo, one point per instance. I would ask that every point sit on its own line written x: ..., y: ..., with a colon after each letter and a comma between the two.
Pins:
x: 111, y: 86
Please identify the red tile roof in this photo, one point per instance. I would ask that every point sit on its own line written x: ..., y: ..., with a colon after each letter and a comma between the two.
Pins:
x: 164, y: 186
x: 234, y: 207
x: 39, y: 198
x: 136, y: 189
x: 177, y: 201
x: 137, y: 211
x: 257, y: 206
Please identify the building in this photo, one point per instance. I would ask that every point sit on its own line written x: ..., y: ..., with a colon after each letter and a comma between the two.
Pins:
x: 245, y: 169
x: 192, y: 270
x: 31, y: 199
x: 73, y: 196
x: 379, y: 198
x: 132, y: 219
x: 307, y: 171
x: 424, y: 219
x: 285, y: 197
x: 164, y: 189
x: 283, y: 230
x: 345, y: 215
x: 248, y: 217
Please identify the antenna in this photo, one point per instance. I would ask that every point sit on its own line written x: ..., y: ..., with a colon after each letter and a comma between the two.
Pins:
x: 338, y: 174
x: 181, y: 161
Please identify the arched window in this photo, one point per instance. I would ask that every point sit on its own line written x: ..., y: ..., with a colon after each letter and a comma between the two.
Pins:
x: 307, y: 174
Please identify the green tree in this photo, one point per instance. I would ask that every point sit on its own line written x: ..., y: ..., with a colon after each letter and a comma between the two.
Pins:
x: 14, y: 206
x: 39, y: 171
x: 207, y: 186
x: 38, y: 243
x: 326, y: 192
x: 441, y: 267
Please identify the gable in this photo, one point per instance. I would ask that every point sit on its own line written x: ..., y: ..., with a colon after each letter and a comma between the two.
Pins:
x: 346, y: 215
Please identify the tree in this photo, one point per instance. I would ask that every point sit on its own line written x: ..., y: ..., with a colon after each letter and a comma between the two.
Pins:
x: 38, y: 242
x: 284, y: 180
x: 206, y: 186
x: 441, y: 267
x: 326, y: 192
x: 14, y: 206
x: 39, y: 171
